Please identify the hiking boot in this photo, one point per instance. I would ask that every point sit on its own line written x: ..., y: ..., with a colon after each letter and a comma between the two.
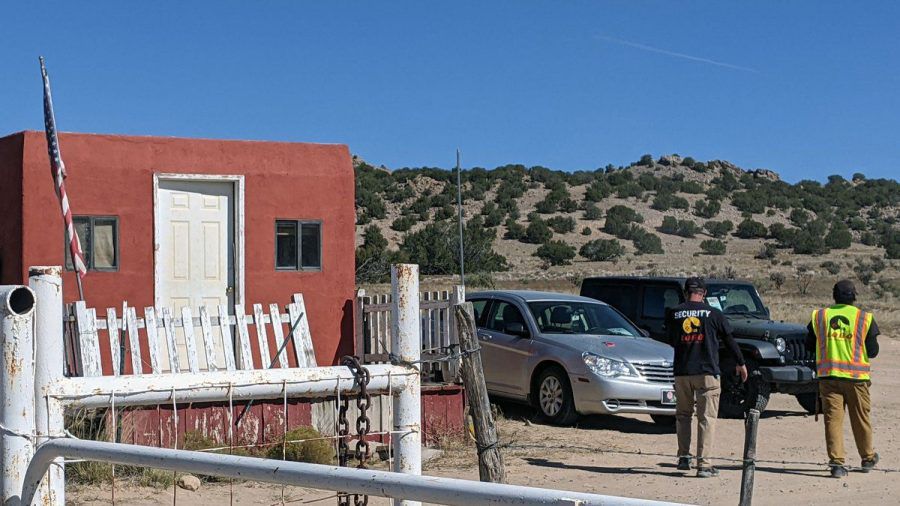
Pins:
x: 684, y: 463
x: 869, y: 464
x: 707, y: 472
x: 838, y: 471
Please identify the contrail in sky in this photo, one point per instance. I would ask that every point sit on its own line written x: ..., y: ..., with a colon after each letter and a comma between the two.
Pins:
x: 673, y: 53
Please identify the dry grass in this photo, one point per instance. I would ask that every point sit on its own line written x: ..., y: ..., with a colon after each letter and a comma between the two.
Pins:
x: 92, y: 424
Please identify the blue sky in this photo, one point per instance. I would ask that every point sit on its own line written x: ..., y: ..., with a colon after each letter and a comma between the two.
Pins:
x: 805, y: 88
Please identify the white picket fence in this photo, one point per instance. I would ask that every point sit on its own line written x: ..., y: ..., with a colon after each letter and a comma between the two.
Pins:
x: 172, y: 344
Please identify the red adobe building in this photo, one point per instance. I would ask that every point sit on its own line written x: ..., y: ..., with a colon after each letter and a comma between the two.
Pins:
x: 184, y: 222
x: 172, y: 222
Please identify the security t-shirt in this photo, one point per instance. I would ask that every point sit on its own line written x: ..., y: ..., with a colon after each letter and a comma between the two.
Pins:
x: 694, y: 330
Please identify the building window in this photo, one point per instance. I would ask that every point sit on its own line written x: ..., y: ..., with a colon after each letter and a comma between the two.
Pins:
x: 298, y: 245
x: 99, y: 236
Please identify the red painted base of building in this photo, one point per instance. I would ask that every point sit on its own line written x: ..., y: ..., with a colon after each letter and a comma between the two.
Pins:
x: 443, y: 408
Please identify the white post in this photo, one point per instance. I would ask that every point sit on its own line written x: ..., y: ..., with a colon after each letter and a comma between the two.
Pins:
x: 16, y: 389
x: 406, y: 343
x: 49, y: 365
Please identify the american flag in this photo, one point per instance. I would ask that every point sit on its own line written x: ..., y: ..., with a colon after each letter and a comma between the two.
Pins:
x: 58, y: 171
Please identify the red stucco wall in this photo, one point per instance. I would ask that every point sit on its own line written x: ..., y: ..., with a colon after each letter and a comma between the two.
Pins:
x: 113, y: 175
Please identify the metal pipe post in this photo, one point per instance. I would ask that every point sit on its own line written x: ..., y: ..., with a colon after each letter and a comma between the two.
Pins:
x: 750, y: 426
x: 432, y: 489
x: 16, y: 388
x: 406, y: 342
x: 49, y: 363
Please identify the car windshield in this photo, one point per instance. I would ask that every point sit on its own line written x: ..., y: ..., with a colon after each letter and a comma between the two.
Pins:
x: 735, y: 299
x: 570, y: 317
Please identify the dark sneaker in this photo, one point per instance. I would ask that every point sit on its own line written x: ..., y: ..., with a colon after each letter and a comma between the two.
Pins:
x: 707, y: 472
x: 838, y: 471
x: 684, y: 463
x: 869, y: 464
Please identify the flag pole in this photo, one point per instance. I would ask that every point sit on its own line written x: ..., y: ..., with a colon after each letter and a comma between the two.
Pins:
x: 462, y: 262
x: 58, y: 171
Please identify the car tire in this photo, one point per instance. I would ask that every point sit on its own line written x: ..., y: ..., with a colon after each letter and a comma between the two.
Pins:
x: 808, y: 401
x: 738, y: 398
x: 663, y: 420
x: 553, y: 397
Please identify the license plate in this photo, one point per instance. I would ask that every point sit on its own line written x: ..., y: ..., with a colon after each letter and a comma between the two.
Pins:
x: 668, y: 397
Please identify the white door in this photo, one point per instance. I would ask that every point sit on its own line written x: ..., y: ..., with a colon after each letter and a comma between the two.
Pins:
x: 195, y: 259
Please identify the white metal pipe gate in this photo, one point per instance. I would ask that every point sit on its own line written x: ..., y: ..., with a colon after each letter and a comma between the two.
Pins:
x: 34, y: 394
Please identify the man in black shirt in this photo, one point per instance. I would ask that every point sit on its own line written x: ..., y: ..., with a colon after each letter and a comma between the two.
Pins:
x: 694, y: 329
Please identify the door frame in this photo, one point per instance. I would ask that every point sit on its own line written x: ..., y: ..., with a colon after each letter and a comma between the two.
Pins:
x: 237, y: 182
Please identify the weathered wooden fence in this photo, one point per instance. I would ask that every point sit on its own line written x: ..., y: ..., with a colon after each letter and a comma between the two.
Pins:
x: 167, y: 341
x: 440, y: 337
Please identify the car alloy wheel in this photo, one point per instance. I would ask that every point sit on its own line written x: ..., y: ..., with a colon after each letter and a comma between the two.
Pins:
x: 552, y: 396
x: 551, y: 399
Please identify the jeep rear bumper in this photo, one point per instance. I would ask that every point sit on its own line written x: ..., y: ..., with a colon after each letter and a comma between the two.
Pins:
x: 787, y: 374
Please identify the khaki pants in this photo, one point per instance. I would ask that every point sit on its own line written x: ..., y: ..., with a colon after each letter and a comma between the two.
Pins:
x: 702, y: 390
x: 854, y: 395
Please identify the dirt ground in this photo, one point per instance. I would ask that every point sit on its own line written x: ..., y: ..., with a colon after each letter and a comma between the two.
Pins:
x: 572, y: 458
x: 585, y: 457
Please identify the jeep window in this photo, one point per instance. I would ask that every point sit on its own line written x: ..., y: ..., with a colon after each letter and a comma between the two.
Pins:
x: 622, y: 297
x: 567, y: 317
x: 735, y: 300
x: 657, y: 299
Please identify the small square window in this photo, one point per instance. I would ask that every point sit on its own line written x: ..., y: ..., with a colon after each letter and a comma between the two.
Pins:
x: 99, y: 237
x: 298, y: 245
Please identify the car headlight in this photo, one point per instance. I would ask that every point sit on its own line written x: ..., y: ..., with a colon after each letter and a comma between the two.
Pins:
x: 780, y: 344
x: 607, y: 367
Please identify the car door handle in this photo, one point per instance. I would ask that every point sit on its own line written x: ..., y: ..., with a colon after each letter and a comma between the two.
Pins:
x: 483, y: 336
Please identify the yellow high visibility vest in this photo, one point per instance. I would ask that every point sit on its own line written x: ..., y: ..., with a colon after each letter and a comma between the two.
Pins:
x: 841, y: 341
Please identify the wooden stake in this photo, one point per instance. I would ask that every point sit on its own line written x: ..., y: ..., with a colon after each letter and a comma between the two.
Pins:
x: 750, y: 426
x: 490, y: 462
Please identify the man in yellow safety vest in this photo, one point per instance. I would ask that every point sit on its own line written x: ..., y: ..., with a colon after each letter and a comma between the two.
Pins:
x: 845, y: 339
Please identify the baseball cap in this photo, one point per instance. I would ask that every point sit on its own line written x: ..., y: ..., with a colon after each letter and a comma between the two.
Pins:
x: 694, y: 284
x: 844, y: 290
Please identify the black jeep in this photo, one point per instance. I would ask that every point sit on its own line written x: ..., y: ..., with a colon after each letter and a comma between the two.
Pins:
x: 777, y: 357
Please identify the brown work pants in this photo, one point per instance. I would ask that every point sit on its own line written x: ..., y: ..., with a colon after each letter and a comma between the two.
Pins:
x: 854, y: 395
x: 701, y: 390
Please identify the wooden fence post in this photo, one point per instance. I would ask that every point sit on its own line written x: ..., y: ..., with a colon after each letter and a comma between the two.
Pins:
x: 360, y: 332
x: 490, y: 462
x: 750, y: 426
x: 451, y: 369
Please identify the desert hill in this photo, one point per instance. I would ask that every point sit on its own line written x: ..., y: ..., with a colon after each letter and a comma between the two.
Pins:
x: 666, y: 215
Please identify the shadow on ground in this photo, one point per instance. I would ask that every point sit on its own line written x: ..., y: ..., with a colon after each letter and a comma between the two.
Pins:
x: 780, y: 413
x: 541, y: 462
x: 519, y: 411
x: 516, y: 411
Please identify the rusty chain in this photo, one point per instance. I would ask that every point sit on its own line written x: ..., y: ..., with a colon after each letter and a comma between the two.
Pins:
x: 363, y: 425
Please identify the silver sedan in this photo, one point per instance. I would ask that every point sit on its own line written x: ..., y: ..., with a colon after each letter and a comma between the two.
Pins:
x: 569, y: 355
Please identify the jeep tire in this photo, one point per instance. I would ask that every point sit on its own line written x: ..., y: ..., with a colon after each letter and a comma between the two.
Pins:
x: 738, y: 398
x: 808, y: 401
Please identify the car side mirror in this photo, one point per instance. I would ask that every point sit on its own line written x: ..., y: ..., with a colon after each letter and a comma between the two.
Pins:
x: 516, y: 329
x: 767, y: 312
